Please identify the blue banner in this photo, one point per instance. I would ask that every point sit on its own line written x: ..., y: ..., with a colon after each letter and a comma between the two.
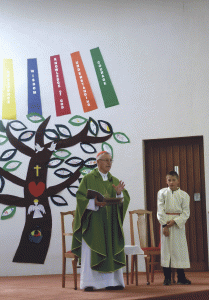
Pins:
x: 34, y: 98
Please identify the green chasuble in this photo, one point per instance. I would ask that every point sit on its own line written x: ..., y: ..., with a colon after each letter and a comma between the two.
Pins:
x: 102, y: 230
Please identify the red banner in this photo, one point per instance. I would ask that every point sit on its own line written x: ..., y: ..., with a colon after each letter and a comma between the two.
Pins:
x: 85, y: 91
x: 60, y: 93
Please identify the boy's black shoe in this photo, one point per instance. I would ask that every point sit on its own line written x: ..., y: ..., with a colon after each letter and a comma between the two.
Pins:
x: 184, y: 281
x: 115, y: 288
x: 167, y: 282
x: 89, y: 289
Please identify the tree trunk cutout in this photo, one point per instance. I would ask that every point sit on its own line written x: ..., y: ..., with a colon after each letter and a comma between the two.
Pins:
x: 36, y: 235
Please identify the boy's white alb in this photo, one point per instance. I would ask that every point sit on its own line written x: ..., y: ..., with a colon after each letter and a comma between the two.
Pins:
x: 174, y: 248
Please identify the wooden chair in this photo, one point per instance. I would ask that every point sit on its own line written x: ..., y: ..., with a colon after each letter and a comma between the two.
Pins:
x: 149, y: 252
x: 134, y: 251
x: 144, y: 216
x: 68, y: 254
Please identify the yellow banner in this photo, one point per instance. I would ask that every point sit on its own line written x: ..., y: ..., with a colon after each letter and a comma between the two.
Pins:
x: 8, y: 96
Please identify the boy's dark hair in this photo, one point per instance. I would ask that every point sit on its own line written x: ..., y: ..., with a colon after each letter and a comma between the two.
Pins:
x: 173, y: 173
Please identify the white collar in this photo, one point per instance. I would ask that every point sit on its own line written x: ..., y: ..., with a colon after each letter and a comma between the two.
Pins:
x: 104, y: 176
x: 178, y: 189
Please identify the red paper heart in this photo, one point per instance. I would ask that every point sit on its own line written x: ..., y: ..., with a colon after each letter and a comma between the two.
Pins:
x: 36, y: 190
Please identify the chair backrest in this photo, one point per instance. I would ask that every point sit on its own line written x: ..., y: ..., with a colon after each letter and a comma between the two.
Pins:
x: 64, y: 233
x: 143, y: 217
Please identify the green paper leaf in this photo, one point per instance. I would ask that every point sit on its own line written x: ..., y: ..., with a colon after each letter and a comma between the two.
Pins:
x: 12, y: 165
x: 107, y: 147
x: 2, y: 128
x: 121, y: 138
x: 35, y: 117
x: 8, y: 212
x: 85, y: 171
x: 3, y: 139
x: 77, y: 120
x: 62, y: 153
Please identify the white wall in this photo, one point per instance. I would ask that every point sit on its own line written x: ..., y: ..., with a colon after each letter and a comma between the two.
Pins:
x: 156, y: 52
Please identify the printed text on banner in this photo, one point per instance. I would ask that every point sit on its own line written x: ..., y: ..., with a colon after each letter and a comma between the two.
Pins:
x: 60, y: 92
x: 8, y: 95
x: 34, y: 98
x: 106, y: 86
x: 85, y: 91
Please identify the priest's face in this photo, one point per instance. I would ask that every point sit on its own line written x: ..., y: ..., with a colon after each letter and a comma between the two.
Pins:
x: 104, y: 163
x: 172, y: 182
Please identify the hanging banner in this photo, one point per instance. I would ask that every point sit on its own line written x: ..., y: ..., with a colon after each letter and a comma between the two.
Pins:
x: 34, y: 98
x: 8, y: 94
x: 107, y: 89
x: 60, y: 93
x: 85, y: 91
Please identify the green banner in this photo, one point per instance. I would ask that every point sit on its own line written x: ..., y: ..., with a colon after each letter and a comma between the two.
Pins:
x: 107, y: 89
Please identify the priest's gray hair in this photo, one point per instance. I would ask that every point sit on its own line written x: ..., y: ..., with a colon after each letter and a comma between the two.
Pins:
x: 99, y: 156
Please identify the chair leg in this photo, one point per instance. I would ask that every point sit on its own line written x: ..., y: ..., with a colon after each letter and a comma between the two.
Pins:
x: 132, y: 269
x: 63, y: 271
x: 152, y: 267
x: 147, y: 268
x: 136, y: 268
x: 74, y: 263
x: 127, y: 275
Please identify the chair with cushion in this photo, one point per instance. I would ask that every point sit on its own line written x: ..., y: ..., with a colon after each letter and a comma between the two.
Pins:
x: 143, y: 216
x: 132, y: 250
x: 68, y: 254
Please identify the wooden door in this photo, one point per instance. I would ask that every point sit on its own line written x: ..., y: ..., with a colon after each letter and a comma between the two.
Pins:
x: 162, y: 156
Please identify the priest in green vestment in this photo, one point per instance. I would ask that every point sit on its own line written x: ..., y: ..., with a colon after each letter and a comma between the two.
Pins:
x: 98, y: 237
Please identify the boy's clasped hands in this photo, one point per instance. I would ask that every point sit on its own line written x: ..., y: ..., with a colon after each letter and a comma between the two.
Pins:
x: 166, y: 228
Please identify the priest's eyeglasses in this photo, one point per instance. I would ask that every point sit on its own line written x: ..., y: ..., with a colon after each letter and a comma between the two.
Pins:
x: 107, y: 160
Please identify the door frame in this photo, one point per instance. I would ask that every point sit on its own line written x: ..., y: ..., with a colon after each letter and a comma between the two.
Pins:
x: 181, y: 141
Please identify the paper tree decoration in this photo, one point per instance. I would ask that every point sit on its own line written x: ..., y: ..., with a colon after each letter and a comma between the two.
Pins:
x: 36, y: 235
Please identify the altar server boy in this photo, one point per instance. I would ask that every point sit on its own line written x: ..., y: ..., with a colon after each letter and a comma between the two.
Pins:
x: 172, y: 212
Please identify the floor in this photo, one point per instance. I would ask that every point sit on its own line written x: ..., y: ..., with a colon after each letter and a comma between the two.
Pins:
x: 49, y: 287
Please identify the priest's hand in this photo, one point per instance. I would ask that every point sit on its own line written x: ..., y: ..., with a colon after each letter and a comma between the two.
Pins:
x: 166, y: 231
x: 120, y: 187
x: 101, y: 204
x: 170, y: 223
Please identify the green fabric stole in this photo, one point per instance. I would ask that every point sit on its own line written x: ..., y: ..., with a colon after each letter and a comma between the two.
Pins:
x: 102, y: 230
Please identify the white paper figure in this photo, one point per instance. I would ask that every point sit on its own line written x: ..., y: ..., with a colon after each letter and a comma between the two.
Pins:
x: 37, y: 208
